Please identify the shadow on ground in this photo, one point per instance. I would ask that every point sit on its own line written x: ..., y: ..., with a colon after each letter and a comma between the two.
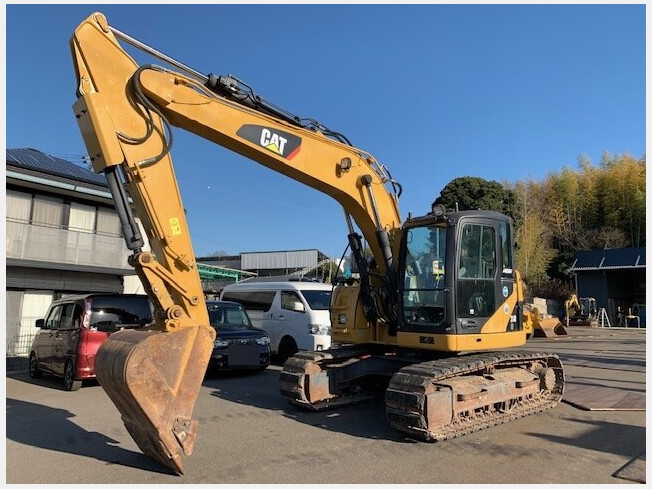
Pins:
x: 53, y: 429
x: 47, y: 380
x: 601, y: 437
x: 261, y: 390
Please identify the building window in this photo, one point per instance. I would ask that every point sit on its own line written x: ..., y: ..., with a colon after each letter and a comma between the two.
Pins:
x: 47, y: 211
x: 19, y: 206
x: 82, y: 217
x: 108, y: 222
x: 43, y: 210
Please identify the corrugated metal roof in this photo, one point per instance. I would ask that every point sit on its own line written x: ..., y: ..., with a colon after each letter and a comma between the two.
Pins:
x: 609, y: 259
x: 278, y: 259
x: 32, y: 159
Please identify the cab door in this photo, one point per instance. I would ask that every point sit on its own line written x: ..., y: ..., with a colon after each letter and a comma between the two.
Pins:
x: 479, y: 281
x: 507, y: 275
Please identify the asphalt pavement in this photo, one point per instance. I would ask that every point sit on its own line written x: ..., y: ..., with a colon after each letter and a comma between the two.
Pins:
x: 249, y: 434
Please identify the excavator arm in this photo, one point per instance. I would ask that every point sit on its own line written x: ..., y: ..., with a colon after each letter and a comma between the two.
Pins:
x: 125, y: 113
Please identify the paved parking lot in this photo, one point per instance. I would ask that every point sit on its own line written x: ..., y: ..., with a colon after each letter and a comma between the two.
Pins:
x: 249, y: 434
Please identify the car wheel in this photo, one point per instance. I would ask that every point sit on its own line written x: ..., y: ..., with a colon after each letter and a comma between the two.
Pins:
x: 286, y: 349
x: 69, y: 381
x: 34, y: 371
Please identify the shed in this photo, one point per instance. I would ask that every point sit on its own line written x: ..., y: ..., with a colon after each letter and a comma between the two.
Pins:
x: 615, y: 278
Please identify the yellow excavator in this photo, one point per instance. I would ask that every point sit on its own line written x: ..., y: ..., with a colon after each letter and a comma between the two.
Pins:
x: 581, y: 311
x: 430, y: 324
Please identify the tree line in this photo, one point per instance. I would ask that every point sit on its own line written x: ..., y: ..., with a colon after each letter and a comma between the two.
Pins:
x: 591, y: 207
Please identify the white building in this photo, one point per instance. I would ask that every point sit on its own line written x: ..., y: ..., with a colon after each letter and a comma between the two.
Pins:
x: 63, y: 237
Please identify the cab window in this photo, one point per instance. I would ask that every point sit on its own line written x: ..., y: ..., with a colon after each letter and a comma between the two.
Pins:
x: 477, y: 252
x: 505, y: 241
x: 476, y: 271
x: 423, y: 280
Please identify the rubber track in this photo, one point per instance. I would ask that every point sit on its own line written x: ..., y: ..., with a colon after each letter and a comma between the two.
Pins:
x: 405, y: 396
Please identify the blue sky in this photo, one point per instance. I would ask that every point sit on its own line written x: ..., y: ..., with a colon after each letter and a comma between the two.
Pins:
x: 434, y: 92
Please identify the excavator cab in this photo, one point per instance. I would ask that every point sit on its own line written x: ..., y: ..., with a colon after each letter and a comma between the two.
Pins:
x: 457, y: 272
x: 588, y: 307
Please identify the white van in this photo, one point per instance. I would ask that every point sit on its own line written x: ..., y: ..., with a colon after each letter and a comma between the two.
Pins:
x: 295, y: 315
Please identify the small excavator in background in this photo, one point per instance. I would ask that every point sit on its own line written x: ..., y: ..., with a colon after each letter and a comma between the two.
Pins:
x: 581, y: 311
x: 431, y: 324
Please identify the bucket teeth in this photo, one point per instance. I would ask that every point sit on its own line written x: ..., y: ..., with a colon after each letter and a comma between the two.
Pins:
x: 185, y: 430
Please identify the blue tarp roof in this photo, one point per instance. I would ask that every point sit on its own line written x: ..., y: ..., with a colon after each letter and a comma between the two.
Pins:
x: 32, y: 159
x: 609, y: 259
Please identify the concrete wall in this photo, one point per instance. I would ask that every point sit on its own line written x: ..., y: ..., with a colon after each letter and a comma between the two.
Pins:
x: 549, y: 306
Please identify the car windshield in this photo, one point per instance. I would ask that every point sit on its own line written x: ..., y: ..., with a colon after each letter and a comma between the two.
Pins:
x: 228, y: 315
x: 318, y: 300
x: 109, y: 313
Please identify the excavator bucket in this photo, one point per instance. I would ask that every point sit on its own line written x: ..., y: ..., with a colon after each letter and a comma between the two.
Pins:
x: 153, y: 378
x: 549, y: 328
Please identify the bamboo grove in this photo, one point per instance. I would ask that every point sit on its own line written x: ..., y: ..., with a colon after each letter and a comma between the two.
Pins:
x: 592, y: 206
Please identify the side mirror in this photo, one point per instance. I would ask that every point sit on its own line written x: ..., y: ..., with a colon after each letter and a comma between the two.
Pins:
x: 298, y: 307
x: 40, y: 323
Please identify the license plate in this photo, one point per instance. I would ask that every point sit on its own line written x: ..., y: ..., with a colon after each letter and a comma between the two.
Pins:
x: 243, y: 355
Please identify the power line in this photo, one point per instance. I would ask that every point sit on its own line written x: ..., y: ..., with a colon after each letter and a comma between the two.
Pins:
x: 73, y: 158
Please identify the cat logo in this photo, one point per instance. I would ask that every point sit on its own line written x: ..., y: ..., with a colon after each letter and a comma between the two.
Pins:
x: 274, y: 140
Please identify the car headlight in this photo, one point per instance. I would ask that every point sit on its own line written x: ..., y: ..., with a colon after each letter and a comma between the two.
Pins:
x: 263, y: 340
x: 319, y: 329
x: 221, y: 343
